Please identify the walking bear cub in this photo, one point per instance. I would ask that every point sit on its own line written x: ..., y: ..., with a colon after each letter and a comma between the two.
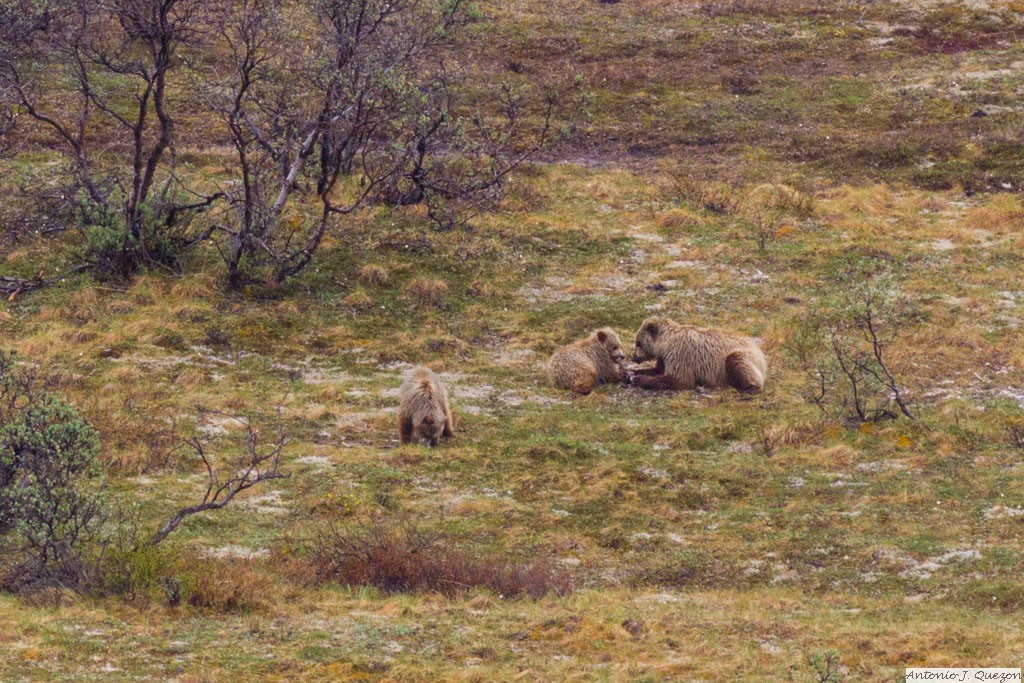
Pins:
x: 423, y: 412
x: 688, y: 357
x: 584, y: 364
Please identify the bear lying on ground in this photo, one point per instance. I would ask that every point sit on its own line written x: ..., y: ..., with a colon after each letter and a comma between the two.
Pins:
x: 584, y: 364
x: 423, y: 412
x: 687, y: 357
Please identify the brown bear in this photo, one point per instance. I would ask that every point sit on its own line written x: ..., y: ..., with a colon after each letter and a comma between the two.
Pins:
x: 423, y: 411
x: 688, y: 357
x: 584, y: 364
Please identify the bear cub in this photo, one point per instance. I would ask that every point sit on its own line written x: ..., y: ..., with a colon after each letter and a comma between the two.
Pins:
x: 424, y: 415
x: 584, y: 364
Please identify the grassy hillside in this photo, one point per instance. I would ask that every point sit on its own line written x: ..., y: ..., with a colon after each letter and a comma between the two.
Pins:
x: 708, y: 536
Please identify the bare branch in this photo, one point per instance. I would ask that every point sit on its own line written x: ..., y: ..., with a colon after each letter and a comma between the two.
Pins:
x: 253, y: 466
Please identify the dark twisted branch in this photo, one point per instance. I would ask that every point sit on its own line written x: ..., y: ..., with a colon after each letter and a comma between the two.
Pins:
x: 11, y: 287
x: 253, y: 467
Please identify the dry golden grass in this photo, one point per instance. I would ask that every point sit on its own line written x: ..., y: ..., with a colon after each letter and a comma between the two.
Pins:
x: 373, y: 275
x: 482, y: 289
x: 192, y: 378
x: 680, y: 218
x: 790, y: 204
x: 224, y: 585
x: 358, y: 300
x: 197, y: 286
x: 1000, y: 214
x: 428, y: 292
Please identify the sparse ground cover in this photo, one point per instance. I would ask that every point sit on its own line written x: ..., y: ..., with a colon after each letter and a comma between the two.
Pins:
x: 709, y: 536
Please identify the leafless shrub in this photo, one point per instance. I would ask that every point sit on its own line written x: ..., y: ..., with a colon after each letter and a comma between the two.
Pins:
x: 844, y: 347
x: 255, y: 464
x: 826, y: 667
x: 768, y: 212
x: 6, y: 126
x: 344, y: 102
x: 114, y: 123
x: 766, y: 441
x: 764, y: 225
x: 359, y: 107
x: 399, y: 557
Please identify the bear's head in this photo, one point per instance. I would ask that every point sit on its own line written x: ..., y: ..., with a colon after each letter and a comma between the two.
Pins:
x: 428, y: 429
x: 607, y: 338
x: 646, y: 336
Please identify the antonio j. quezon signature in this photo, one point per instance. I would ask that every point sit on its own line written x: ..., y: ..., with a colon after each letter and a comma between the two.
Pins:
x: 964, y: 675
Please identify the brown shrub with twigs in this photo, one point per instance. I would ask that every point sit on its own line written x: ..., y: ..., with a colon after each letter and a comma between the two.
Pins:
x: 399, y: 557
x: 221, y: 585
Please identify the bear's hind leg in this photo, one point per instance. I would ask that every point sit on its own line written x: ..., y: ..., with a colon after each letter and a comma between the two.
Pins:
x: 742, y: 374
x: 449, y: 424
x: 585, y: 382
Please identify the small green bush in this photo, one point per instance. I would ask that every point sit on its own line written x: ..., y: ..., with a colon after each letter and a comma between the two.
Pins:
x: 50, y: 500
x: 133, y: 570
x: 114, y: 254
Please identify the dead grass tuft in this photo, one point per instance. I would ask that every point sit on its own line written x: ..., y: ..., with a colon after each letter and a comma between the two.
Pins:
x: 331, y: 393
x: 220, y: 585
x: 195, y: 286
x: 874, y: 200
x: 428, y: 293
x: 482, y: 289
x: 715, y: 197
x: 358, y: 300
x: 680, y: 218
x: 782, y: 198
x: 1003, y: 213
x: 373, y: 275
x: 192, y: 378
x: 80, y: 307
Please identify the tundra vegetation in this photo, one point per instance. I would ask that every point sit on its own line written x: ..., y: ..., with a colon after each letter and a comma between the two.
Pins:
x: 227, y: 230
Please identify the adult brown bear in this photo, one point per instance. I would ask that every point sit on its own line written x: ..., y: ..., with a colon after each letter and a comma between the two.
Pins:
x: 687, y: 357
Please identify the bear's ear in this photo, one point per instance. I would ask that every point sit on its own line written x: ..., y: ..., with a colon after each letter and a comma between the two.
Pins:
x: 651, y: 328
x: 602, y: 336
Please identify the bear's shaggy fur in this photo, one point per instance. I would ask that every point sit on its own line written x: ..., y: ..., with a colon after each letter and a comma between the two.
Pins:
x: 584, y: 364
x: 688, y: 357
x: 423, y: 412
